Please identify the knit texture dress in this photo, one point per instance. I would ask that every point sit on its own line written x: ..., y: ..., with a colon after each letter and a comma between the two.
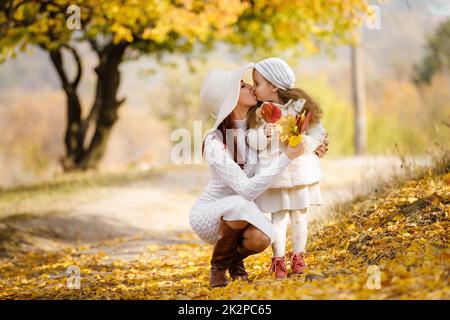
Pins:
x: 232, y: 190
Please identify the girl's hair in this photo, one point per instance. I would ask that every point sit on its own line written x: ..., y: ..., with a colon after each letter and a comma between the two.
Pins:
x: 226, y: 124
x: 286, y: 95
x: 310, y: 104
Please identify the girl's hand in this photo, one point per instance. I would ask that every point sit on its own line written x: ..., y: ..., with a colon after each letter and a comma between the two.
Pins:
x: 294, y: 152
x: 323, y: 148
x: 269, y: 129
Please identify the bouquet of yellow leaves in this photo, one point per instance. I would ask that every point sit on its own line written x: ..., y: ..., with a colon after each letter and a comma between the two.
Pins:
x: 291, y: 127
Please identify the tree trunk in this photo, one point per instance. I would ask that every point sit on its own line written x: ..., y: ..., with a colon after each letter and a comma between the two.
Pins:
x: 72, y: 145
x: 106, y: 105
x: 359, y: 100
x: 82, y: 154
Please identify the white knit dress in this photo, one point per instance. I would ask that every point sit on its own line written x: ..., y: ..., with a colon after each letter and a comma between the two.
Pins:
x: 298, y: 187
x: 231, y: 191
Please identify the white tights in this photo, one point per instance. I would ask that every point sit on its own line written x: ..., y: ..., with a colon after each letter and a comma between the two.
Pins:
x: 299, y: 224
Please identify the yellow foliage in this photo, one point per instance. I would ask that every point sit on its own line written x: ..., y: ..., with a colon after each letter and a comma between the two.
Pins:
x: 406, y: 239
x: 287, y: 128
x: 295, y: 140
x: 257, y: 24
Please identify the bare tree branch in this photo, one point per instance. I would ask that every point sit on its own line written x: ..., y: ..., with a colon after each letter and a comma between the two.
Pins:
x: 56, y: 58
x: 76, y: 56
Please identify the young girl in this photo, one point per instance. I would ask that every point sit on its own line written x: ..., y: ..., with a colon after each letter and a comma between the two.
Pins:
x: 297, y: 188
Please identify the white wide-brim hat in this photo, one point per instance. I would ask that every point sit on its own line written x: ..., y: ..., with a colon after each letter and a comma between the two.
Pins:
x: 220, y: 92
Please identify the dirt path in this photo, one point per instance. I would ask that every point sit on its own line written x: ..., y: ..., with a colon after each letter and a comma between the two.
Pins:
x: 156, y: 211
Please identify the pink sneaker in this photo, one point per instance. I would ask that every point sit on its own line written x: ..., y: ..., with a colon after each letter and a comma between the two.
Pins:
x: 278, y: 267
x: 298, y: 264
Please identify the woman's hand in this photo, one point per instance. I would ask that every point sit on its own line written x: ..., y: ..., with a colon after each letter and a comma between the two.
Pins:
x: 294, y: 152
x: 323, y: 148
x: 269, y: 129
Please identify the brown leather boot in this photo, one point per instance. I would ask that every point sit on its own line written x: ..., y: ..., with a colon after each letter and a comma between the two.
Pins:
x: 223, y: 253
x: 237, y: 268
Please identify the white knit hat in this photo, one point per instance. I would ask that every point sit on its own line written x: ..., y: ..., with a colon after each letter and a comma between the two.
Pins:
x: 220, y: 92
x: 277, y: 72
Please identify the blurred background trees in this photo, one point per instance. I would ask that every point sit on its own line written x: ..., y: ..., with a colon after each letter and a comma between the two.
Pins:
x: 160, y: 76
x: 117, y: 30
x: 437, y: 58
x: 110, y: 28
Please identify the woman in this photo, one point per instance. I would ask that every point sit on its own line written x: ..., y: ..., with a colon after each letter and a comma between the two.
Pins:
x: 225, y: 214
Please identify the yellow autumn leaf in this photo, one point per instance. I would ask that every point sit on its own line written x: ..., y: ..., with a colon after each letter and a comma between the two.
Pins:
x: 287, y: 128
x: 122, y: 287
x: 447, y: 178
x: 295, y: 140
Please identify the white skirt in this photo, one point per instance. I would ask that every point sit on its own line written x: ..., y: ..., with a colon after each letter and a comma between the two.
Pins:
x: 296, y: 198
x: 205, y: 216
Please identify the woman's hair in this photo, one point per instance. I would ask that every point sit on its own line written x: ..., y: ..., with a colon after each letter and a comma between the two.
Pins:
x: 226, y: 124
x: 252, y: 119
x: 310, y: 104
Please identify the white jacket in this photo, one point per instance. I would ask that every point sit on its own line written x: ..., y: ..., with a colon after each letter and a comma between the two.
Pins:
x: 304, y: 169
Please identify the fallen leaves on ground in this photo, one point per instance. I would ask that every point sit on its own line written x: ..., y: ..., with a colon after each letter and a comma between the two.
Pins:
x: 403, y: 234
